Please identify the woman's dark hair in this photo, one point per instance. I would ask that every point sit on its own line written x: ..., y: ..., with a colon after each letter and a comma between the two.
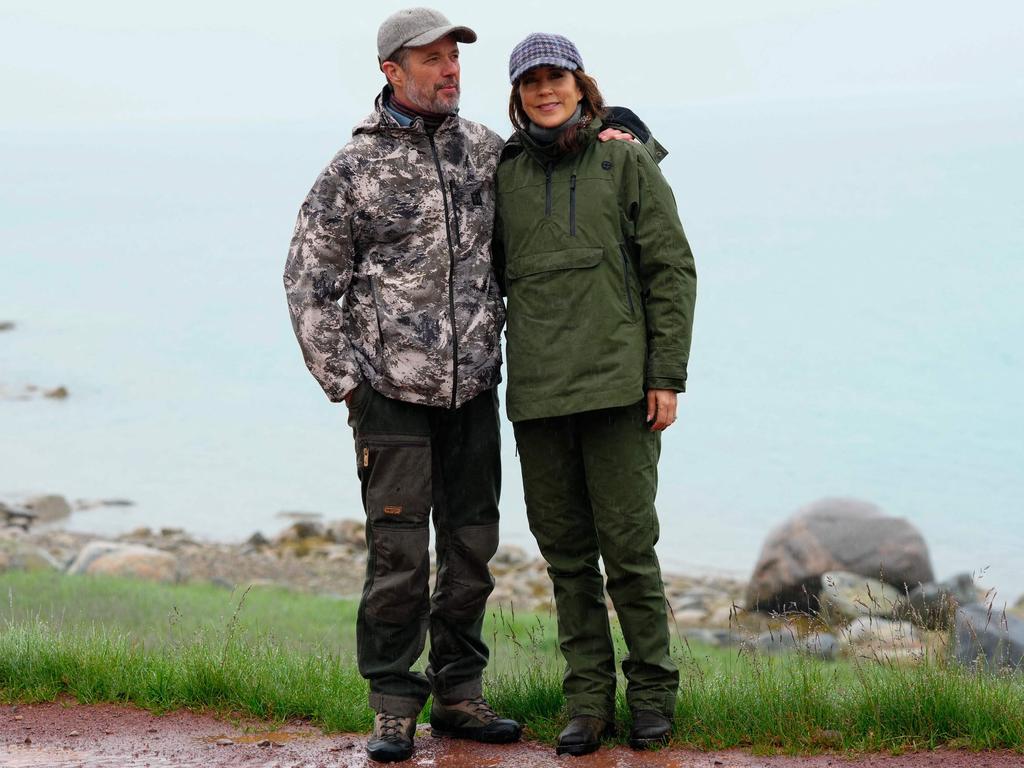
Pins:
x: 592, y: 103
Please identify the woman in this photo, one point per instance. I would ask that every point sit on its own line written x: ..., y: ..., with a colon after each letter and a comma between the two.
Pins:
x: 600, y: 284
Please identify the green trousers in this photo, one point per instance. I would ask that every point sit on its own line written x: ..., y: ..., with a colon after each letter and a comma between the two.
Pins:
x: 590, y: 481
x: 418, y: 463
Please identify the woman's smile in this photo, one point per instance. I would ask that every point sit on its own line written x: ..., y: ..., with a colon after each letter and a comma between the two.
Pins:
x: 549, y: 95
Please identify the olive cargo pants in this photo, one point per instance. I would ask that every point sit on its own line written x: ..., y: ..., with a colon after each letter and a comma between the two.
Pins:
x: 590, y: 481
x: 416, y: 462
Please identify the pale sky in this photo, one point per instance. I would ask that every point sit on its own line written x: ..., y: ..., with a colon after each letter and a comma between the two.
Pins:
x: 65, y: 65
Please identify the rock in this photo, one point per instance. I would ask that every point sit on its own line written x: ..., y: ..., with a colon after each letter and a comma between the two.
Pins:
x: 988, y: 639
x: 868, y: 629
x: 134, y: 560
x: 49, y: 508
x: 16, y: 555
x: 58, y: 393
x: 846, y: 596
x: 224, y: 742
x: 835, y: 535
x: 297, y: 515
x: 717, y: 638
x: 346, y: 532
x: 510, y: 555
x: 1018, y: 608
x: 21, y: 519
x: 821, y: 645
x: 305, y: 529
x: 934, y: 605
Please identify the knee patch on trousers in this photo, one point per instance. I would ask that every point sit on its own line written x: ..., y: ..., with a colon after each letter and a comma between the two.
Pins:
x: 465, y: 581
x: 395, y: 475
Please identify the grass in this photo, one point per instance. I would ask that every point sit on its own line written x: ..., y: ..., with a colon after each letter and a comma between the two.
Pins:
x: 280, y: 655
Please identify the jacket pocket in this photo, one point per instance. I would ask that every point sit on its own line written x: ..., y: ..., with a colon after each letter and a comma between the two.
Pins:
x: 537, y: 263
x: 394, y: 471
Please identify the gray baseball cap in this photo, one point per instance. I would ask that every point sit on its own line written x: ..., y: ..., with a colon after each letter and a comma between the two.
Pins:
x: 413, y: 27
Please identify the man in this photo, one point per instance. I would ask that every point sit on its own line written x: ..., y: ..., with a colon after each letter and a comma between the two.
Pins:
x: 399, y: 226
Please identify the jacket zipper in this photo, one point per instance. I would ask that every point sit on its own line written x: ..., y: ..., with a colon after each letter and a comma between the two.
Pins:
x: 455, y: 213
x: 625, y: 277
x: 572, y: 205
x: 451, y: 275
x: 547, y: 189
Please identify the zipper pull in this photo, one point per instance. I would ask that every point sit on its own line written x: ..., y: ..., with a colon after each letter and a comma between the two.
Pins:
x: 366, y: 456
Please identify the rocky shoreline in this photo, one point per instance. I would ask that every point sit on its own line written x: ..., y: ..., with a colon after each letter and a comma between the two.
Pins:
x: 849, y: 616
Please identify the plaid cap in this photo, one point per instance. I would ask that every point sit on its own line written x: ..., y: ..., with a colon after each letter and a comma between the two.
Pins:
x: 541, y: 49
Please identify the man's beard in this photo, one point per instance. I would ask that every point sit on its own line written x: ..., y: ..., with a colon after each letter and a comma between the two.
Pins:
x: 430, y: 98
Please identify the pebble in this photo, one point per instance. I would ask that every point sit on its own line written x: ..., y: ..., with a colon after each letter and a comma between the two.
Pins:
x: 224, y: 742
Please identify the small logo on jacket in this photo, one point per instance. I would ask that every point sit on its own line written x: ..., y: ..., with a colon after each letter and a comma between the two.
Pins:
x: 392, y: 510
x: 606, y: 164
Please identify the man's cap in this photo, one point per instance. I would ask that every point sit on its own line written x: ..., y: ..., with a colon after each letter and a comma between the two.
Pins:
x: 413, y: 27
x: 543, y: 50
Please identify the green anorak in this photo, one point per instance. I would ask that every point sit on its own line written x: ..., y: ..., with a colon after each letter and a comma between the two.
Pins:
x: 599, y: 276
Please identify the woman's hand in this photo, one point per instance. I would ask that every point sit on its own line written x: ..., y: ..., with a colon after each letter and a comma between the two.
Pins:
x: 661, y: 409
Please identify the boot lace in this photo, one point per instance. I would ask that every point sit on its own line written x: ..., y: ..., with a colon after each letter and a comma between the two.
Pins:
x: 481, y: 709
x: 390, y: 727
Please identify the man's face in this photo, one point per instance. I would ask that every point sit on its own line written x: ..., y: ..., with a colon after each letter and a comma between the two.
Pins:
x: 429, y: 80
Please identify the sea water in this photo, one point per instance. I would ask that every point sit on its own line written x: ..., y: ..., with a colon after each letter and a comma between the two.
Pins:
x: 858, y: 329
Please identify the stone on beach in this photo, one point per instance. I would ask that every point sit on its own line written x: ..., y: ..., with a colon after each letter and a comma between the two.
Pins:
x: 49, y: 508
x: 117, y: 559
x: 18, y: 555
x: 821, y: 645
x: 835, y: 534
x: 988, y: 638
x: 846, y: 595
x: 934, y: 605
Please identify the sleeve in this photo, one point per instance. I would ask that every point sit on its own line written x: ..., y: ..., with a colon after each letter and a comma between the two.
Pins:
x: 317, y: 274
x: 668, y: 278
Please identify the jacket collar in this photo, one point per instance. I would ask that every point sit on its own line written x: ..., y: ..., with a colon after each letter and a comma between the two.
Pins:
x: 382, y: 121
x: 548, y: 153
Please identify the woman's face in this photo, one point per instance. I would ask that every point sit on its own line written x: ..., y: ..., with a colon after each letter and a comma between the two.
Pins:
x: 549, y: 95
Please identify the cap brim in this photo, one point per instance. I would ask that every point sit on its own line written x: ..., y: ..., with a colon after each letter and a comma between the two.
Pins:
x: 462, y: 35
x: 542, y: 61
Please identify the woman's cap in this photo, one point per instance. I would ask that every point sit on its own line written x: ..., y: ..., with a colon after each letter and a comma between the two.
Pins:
x: 413, y: 27
x: 543, y: 50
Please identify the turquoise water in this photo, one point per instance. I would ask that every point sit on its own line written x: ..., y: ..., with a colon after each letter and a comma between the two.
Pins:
x: 857, y: 331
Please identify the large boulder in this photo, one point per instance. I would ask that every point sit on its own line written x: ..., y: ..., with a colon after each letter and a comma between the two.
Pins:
x: 835, y: 535
x: 116, y: 559
x: 989, y: 639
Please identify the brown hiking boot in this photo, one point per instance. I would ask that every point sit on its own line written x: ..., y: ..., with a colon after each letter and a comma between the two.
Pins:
x: 472, y: 719
x: 391, y: 739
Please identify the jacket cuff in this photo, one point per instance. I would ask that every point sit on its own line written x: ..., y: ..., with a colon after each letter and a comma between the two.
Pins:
x: 660, y: 382
x: 337, y: 389
x: 666, y: 364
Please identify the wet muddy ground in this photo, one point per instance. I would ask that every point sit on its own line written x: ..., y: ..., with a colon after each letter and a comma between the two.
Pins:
x: 69, y: 735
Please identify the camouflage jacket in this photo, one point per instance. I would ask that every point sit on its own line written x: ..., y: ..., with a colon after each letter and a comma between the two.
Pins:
x: 398, y: 229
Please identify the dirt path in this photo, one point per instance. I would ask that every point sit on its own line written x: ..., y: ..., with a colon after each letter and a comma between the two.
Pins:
x: 68, y: 735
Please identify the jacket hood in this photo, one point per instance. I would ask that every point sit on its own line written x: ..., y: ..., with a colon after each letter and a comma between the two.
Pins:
x: 382, y: 121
